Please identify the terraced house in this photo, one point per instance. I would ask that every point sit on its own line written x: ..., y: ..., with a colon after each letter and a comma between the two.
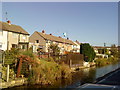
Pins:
x: 43, y: 41
x: 13, y: 36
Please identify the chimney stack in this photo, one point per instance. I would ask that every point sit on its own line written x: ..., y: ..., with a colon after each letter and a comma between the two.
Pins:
x: 9, y: 22
x: 43, y: 31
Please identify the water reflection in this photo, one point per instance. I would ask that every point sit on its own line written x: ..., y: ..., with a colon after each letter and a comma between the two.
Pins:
x: 100, y: 71
x: 87, y: 75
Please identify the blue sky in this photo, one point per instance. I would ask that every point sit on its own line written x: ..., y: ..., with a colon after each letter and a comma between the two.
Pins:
x: 92, y: 22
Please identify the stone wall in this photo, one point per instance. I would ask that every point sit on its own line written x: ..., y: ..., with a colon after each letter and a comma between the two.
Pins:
x: 13, y: 83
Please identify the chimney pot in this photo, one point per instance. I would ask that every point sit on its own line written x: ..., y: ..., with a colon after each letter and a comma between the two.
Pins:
x: 43, y: 31
x: 67, y: 38
x: 50, y: 34
x: 9, y: 22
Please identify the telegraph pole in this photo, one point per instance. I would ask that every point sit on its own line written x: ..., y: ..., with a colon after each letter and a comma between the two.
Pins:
x: 104, y: 47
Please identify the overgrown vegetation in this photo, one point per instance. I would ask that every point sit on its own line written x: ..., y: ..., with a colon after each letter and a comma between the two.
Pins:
x: 113, y: 56
x: 48, y: 72
x: 38, y: 71
x: 11, y: 56
x: 4, y: 73
x: 114, y: 51
x: 54, y: 49
x: 105, y: 61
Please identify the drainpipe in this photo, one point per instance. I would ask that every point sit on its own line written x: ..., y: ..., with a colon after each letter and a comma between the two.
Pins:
x: 18, y: 39
x: 7, y: 41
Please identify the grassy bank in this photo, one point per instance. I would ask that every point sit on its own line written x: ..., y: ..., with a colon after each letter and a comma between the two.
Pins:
x: 48, y: 72
x: 105, y: 61
x: 38, y: 71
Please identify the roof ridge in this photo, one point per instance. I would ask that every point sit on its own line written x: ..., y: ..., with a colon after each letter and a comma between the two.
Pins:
x: 55, y: 38
x: 13, y: 28
x: 53, y: 35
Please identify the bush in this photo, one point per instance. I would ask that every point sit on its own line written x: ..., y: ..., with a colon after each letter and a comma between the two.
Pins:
x: 48, y: 72
x: 101, y: 62
x: 26, y: 62
x: 28, y: 53
x: 65, y: 71
x: 105, y: 61
x: 88, y: 52
x: 4, y: 73
x: 11, y: 54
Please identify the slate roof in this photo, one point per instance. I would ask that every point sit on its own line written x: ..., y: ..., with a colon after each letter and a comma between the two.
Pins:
x: 55, y: 38
x: 12, y: 28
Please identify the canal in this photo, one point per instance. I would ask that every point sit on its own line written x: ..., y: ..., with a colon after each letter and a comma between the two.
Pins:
x: 87, y: 75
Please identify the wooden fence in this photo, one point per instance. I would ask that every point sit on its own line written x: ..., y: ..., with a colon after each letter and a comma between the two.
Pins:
x: 72, y: 59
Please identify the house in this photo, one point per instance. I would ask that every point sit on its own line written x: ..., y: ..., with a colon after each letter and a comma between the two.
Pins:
x: 100, y: 51
x: 13, y: 36
x: 77, y: 46
x: 43, y: 41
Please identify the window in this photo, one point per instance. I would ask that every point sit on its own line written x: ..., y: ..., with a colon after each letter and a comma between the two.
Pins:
x: 0, y: 45
x: 24, y: 37
x: 51, y: 42
x: 14, y: 45
x: 15, y: 35
x: 37, y: 41
x: 23, y: 46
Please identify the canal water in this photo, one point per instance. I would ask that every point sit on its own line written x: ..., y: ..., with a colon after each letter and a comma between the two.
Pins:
x: 87, y: 75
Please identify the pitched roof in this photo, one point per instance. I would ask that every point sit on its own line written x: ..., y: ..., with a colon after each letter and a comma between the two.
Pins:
x: 12, y: 28
x: 77, y: 42
x: 55, y: 38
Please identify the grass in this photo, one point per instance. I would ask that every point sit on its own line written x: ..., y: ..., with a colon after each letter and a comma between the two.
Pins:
x: 105, y: 61
x: 48, y: 72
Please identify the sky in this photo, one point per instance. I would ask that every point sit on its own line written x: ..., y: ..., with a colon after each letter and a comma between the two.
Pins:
x: 88, y: 22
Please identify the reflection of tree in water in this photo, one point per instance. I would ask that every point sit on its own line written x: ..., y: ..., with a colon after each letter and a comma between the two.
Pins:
x: 88, y: 76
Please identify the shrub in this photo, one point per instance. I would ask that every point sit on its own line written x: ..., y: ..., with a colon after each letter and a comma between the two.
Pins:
x: 88, y: 52
x: 65, y: 71
x: 28, y: 53
x: 105, y: 61
x: 48, y: 72
x: 4, y: 73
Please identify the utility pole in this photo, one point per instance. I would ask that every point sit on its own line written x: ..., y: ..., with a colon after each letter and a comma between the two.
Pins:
x: 104, y: 47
